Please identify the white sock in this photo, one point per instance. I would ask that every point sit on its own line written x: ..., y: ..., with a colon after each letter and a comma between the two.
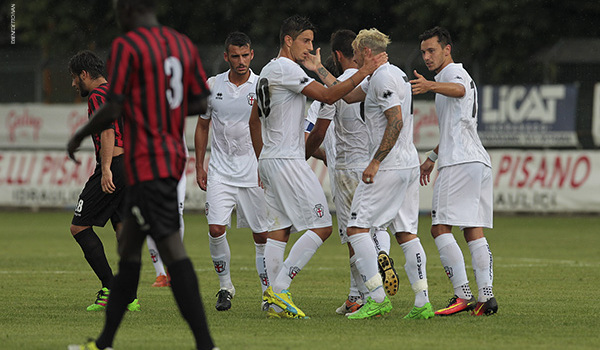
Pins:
x: 221, y: 257
x: 305, y: 247
x: 156, y: 260
x: 261, y: 266
x: 381, y: 238
x: 483, y: 267
x: 416, y: 270
x: 366, y: 263
x: 454, y: 264
x: 181, y: 226
x: 357, y: 285
x: 274, y: 251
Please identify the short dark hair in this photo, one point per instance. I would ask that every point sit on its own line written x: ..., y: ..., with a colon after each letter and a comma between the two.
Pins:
x: 87, y: 61
x: 237, y: 39
x: 294, y: 26
x: 442, y: 34
x: 341, y: 40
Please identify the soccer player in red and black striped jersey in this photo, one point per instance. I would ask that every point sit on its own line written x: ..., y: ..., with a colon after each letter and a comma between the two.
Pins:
x: 102, y: 196
x: 156, y: 80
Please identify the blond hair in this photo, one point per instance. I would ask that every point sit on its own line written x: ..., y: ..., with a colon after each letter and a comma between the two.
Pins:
x: 372, y: 39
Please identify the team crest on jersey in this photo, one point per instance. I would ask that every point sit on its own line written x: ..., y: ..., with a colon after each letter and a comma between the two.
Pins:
x: 387, y: 94
x: 219, y: 96
x: 433, y: 214
x: 294, y: 270
x: 251, y: 98
x: 353, y: 216
x: 206, y: 208
x: 319, y: 210
x: 220, y: 265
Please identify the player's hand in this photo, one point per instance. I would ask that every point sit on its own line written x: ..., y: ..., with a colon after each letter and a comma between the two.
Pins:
x: 420, y: 85
x: 106, y: 182
x: 313, y: 62
x: 373, y: 62
x: 260, y: 183
x: 368, y: 175
x: 201, y: 178
x: 426, y: 169
x: 73, y: 146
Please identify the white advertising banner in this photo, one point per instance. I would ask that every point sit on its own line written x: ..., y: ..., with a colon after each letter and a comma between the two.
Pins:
x: 426, y: 132
x: 524, y: 181
x: 40, y: 126
x: 546, y: 181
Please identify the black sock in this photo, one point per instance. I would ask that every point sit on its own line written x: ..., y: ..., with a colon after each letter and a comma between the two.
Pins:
x: 187, y: 295
x: 122, y: 293
x: 93, y: 251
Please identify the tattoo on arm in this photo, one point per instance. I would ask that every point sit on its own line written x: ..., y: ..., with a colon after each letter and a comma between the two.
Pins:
x: 391, y: 133
x: 323, y: 73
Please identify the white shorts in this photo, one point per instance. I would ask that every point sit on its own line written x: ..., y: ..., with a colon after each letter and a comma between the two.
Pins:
x: 392, y: 199
x: 293, y: 194
x: 249, y: 203
x: 463, y: 196
x: 346, y: 181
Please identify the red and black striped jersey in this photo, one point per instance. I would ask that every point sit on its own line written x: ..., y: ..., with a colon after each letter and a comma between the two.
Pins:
x: 154, y: 71
x: 96, y: 98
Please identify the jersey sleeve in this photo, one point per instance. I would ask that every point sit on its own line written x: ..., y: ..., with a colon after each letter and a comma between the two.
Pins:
x: 294, y: 78
x: 120, y: 63
x: 456, y: 75
x: 95, y: 101
x: 388, y: 92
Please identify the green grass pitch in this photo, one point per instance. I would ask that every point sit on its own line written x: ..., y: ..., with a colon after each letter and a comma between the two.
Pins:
x: 546, y: 282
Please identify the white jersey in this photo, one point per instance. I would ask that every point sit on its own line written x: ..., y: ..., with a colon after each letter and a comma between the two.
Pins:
x: 457, y: 118
x: 389, y: 87
x: 281, y: 108
x: 232, y: 158
x: 351, y: 134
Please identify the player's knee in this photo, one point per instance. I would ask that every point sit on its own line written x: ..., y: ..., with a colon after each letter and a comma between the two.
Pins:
x: 323, y: 232
x: 76, y: 229
x: 216, y: 230
x: 260, y: 238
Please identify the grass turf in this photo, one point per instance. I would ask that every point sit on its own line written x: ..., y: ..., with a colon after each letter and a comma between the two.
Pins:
x: 546, y: 284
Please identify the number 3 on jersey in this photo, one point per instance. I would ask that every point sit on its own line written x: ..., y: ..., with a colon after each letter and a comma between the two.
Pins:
x: 174, y: 70
x: 264, y: 98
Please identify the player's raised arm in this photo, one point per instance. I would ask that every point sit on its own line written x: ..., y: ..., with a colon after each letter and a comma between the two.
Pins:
x: 420, y: 85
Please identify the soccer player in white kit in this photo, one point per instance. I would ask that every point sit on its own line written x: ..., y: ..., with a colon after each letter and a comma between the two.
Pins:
x: 232, y: 177
x: 463, y: 190
x: 388, y: 194
x: 352, y: 157
x: 295, y: 199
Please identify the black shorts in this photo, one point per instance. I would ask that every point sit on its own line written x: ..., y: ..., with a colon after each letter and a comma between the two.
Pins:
x: 153, y: 205
x: 95, y: 207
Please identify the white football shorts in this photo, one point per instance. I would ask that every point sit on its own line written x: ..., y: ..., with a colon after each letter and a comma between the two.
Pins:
x: 293, y: 194
x: 346, y: 181
x: 391, y: 200
x: 463, y: 196
x: 249, y: 203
